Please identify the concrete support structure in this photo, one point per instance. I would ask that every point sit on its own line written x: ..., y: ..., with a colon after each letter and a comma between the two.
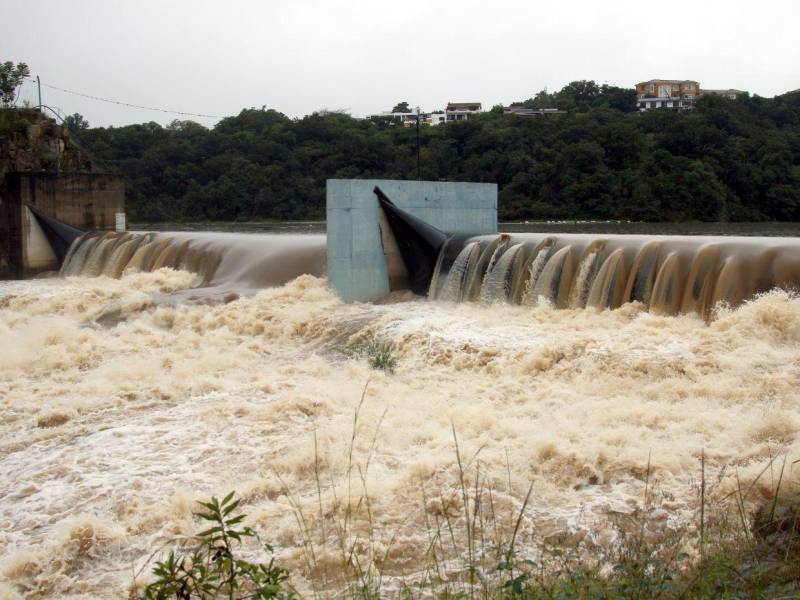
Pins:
x: 83, y: 200
x: 359, y: 249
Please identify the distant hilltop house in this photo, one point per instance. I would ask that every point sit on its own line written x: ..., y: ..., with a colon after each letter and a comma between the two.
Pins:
x: 667, y: 93
x: 455, y: 111
x: 409, y: 119
x: 675, y: 94
x: 731, y: 94
x: 401, y: 117
x: 461, y: 111
x: 518, y: 110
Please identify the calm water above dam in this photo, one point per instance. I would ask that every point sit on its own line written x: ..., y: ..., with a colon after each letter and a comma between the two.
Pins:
x: 598, y: 227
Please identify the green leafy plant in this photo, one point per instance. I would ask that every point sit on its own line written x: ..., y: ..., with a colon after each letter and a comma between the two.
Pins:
x: 379, y: 353
x: 381, y: 356
x: 213, y: 569
x: 11, y: 78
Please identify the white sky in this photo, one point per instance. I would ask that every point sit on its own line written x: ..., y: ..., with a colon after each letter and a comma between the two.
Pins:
x: 298, y: 56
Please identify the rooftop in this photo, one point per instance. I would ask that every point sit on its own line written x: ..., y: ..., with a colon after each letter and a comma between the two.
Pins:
x: 463, y: 105
x: 667, y: 81
x: 729, y: 91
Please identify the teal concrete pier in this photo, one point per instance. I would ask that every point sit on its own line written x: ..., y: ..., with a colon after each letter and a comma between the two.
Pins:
x: 357, y: 263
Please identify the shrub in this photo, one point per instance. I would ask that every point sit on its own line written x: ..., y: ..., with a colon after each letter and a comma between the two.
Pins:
x: 379, y: 353
x: 212, y: 569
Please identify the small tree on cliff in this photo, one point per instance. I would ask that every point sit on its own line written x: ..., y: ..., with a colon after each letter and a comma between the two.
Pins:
x: 76, y: 122
x: 11, y: 77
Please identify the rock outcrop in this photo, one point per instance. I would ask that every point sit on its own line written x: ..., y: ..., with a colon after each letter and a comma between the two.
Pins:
x: 30, y: 141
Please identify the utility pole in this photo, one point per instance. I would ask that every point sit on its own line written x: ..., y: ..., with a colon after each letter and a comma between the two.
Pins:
x: 39, y: 85
x: 419, y: 161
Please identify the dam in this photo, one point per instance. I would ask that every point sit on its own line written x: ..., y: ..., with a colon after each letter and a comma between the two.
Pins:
x: 397, y: 250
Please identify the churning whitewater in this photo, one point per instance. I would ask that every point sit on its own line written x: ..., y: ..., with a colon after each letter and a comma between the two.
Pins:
x: 121, y: 406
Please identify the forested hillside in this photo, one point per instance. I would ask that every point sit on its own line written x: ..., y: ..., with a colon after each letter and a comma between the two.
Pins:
x: 728, y: 160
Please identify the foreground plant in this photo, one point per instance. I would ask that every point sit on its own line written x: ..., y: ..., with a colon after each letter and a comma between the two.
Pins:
x: 212, y: 569
x: 379, y: 353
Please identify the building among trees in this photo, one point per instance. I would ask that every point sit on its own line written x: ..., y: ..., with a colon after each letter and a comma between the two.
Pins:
x: 520, y: 110
x: 676, y: 94
x: 730, y: 94
x: 667, y: 93
x: 461, y: 111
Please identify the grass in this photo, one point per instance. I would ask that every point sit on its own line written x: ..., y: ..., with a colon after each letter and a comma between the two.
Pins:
x: 380, y: 354
x: 481, y: 543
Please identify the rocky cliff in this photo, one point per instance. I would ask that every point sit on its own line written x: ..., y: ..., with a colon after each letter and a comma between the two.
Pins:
x: 29, y: 141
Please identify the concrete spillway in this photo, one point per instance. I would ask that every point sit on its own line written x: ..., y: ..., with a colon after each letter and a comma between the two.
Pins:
x: 669, y: 274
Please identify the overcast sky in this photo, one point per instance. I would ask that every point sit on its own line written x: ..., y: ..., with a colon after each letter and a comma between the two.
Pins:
x: 298, y: 56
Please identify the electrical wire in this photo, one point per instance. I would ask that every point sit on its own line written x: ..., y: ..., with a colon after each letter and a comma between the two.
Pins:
x: 163, y: 110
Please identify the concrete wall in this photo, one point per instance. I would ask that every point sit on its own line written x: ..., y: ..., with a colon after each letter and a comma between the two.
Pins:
x: 83, y: 200
x: 10, y: 231
x: 357, y: 265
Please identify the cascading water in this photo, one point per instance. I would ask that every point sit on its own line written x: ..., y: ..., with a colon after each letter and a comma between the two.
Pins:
x: 227, y: 262
x: 669, y: 275
x: 455, y: 282
x: 498, y: 280
x: 530, y: 275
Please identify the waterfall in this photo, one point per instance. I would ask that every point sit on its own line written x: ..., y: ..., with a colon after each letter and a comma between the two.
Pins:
x: 497, y: 282
x: 225, y: 262
x: 580, y: 287
x: 609, y: 284
x: 668, y: 274
x: 476, y: 273
x: 453, y: 288
x: 588, y: 268
x: 537, y: 262
x: 555, y: 280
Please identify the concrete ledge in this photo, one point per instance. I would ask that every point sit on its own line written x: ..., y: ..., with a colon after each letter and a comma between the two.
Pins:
x: 356, y: 263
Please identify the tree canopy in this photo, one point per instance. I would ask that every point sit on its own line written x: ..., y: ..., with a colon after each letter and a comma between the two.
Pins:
x: 76, y: 122
x: 11, y: 78
x: 727, y: 160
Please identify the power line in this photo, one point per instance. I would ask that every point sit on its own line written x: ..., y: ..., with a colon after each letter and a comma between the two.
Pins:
x: 163, y: 110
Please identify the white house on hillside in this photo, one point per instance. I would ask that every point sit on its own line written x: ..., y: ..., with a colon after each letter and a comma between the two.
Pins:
x: 461, y: 111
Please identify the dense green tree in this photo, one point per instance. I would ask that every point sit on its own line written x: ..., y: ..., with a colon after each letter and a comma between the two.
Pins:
x: 76, y: 122
x: 11, y: 78
x: 401, y: 107
x: 729, y: 159
x: 578, y: 95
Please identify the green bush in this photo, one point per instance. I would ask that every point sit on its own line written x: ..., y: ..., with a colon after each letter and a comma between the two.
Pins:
x: 212, y: 568
x: 379, y: 353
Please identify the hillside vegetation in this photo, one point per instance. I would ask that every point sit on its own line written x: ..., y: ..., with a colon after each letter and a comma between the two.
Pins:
x: 735, y: 160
